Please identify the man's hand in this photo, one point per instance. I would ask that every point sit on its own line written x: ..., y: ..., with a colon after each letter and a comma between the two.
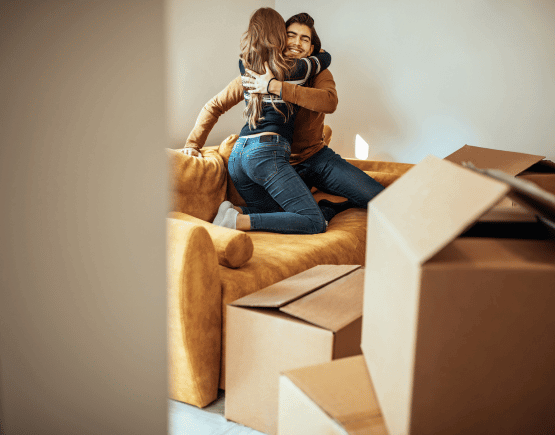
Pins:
x: 259, y: 84
x: 191, y: 152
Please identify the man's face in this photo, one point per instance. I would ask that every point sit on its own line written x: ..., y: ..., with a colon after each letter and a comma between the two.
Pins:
x: 299, y: 41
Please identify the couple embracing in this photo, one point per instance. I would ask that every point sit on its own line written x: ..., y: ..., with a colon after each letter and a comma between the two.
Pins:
x: 280, y: 153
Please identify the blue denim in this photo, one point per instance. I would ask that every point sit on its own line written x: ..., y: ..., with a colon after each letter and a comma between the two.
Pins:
x: 277, y: 198
x: 330, y: 173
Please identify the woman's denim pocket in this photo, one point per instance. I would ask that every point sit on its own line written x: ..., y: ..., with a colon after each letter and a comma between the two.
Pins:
x: 262, y: 163
x: 262, y: 159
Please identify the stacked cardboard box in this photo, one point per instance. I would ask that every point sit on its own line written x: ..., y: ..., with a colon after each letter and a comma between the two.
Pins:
x: 331, y: 398
x: 529, y: 167
x: 310, y: 318
x: 459, y: 332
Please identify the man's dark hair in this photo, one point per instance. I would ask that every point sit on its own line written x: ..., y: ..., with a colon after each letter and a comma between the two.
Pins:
x: 307, y: 20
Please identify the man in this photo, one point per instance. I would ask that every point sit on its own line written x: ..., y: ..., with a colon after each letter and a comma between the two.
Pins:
x: 317, y: 164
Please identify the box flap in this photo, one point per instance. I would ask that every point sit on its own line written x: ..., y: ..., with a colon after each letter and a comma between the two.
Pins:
x: 542, y: 167
x: 334, y: 306
x: 343, y: 390
x: 512, y: 213
x: 511, y: 162
x: 432, y: 203
x: 294, y: 287
x: 524, y: 192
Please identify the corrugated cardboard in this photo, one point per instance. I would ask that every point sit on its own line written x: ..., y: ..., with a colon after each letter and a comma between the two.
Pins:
x: 529, y: 167
x: 331, y: 398
x: 308, y: 319
x: 511, y: 162
x: 458, y: 332
x: 524, y: 192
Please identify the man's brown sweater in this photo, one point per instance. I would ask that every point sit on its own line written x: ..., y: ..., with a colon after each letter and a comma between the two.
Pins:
x: 314, y: 101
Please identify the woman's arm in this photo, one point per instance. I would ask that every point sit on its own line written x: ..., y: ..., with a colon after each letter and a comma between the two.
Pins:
x: 210, y: 113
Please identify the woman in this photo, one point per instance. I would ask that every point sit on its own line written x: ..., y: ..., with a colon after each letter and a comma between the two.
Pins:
x: 276, y: 197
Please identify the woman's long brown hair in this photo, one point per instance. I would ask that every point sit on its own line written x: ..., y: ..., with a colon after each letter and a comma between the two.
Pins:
x: 265, y: 41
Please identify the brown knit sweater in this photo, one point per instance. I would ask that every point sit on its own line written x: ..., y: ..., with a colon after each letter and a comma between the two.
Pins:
x: 314, y: 101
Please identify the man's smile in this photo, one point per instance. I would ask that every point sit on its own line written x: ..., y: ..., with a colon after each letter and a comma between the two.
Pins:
x: 294, y: 50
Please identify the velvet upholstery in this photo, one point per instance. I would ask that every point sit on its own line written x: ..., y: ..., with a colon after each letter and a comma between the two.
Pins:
x: 381, y: 167
x: 198, y: 253
x: 194, y: 313
x: 233, y: 248
x: 197, y: 186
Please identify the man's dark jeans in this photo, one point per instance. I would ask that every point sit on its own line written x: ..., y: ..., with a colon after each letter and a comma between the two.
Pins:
x: 330, y: 173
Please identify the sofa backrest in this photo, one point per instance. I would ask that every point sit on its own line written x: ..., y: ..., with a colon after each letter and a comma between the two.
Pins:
x: 197, y: 186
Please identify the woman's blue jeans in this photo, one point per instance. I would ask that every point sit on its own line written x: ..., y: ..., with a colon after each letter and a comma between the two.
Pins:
x: 277, y: 198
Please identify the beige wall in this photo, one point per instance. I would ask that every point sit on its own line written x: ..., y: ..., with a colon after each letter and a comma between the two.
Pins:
x: 203, y: 54
x: 427, y: 77
x: 413, y: 77
x: 82, y: 182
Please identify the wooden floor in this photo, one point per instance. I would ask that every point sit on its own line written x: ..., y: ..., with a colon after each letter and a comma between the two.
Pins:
x: 184, y: 419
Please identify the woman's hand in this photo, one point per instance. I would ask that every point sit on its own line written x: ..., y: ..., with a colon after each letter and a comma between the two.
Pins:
x: 259, y: 84
x: 191, y: 152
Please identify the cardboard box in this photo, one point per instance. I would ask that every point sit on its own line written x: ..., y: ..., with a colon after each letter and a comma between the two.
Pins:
x: 331, y: 398
x: 528, y: 167
x: 310, y: 318
x: 458, y: 332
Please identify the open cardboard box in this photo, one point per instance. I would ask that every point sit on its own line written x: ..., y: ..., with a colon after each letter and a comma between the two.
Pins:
x: 335, y: 398
x: 528, y: 167
x: 459, y: 332
x: 310, y: 318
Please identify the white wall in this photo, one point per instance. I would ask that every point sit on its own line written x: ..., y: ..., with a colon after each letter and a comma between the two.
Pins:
x: 415, y: 78
x: 203, y: 55
x: 82, y: 227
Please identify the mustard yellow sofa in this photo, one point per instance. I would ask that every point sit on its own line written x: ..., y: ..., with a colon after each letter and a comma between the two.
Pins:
x: 209, y: 266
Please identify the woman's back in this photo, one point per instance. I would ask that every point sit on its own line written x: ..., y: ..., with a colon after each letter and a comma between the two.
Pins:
x: 282, y: 120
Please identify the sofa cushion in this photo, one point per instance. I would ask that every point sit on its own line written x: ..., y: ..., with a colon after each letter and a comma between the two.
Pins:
x: 224, y: 150
x: 233, y: 248
x: 380, y: 166
x: 197, y: 186
x: 226, y: 147
x: 278, y: 256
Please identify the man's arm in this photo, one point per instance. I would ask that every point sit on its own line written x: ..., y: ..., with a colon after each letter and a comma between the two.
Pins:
x: 208, y: 116
x: 321, y: 97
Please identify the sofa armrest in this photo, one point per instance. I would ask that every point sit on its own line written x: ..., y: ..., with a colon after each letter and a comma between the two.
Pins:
x: 233, y: 248
x: 194, y: 314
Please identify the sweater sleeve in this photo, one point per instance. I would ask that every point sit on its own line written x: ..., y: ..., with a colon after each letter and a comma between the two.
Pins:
x: 308, y: 67
x: 321, y: 97
x: 208, y: 116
